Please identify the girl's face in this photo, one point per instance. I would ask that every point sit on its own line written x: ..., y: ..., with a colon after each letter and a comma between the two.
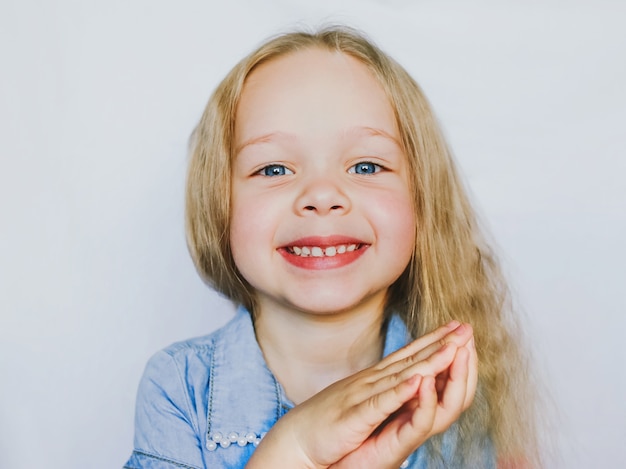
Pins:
x: 322, y: 218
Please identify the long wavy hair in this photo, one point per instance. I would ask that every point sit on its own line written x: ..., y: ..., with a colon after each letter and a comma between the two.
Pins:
x: 453, y: 274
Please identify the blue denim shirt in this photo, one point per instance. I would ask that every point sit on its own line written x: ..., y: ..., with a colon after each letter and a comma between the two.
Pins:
x: 208, y: 401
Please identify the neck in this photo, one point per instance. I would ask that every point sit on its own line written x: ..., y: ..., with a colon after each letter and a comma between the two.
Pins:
x: 307, y: 352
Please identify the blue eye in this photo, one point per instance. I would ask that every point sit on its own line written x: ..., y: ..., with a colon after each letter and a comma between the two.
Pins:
x: 275, y: 170
x: 365, y: 168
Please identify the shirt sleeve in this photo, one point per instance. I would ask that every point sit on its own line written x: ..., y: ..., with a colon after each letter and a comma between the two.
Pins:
x: 166, y: 430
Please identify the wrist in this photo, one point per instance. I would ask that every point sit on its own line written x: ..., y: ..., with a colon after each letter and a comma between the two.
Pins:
x: 281, y: 447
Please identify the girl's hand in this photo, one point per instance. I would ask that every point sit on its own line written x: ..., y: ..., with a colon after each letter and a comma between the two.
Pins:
x: 343, y: 424
x: 432, y: 411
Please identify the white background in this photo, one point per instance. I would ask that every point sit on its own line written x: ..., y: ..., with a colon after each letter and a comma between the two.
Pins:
x: 97, y: 100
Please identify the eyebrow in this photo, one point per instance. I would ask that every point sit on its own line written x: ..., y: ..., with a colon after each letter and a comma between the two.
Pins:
x: 356, y: 131
x: 264, y: 139
x: 371, y: 132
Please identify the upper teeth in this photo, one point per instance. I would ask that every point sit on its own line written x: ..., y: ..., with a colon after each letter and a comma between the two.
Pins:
x: 318, y: 251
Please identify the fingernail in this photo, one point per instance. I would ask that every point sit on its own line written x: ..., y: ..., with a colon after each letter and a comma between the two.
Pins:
x: 460, y: 330
x: 454, y: 324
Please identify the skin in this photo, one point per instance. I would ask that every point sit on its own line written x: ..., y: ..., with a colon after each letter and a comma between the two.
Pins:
x: 318, y: 166
x: 334, y: 428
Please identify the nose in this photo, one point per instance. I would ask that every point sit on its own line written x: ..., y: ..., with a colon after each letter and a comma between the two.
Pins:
x: 322, y: 196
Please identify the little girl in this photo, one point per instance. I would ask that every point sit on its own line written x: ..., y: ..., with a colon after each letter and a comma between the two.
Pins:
x: 322, y: 199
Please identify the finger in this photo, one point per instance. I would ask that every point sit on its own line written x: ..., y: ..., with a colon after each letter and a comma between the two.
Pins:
x: 472, y: 379
x: 458, y: 336
x: 414, y: 432
x: 426, y: 340
x: 401, y: 434
x: 435, y: 364
x: 373, y: 411
x: 424, y: 416
x: 433, y: 361
x: 454, y: 395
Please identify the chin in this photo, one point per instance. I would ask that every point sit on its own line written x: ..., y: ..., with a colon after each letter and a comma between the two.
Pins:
x: 330, y: 306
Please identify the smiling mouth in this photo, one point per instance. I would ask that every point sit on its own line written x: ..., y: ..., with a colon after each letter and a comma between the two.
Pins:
x: 319, y: 251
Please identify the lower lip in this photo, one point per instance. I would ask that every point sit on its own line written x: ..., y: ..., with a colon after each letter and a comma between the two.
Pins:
x: 323, y: 263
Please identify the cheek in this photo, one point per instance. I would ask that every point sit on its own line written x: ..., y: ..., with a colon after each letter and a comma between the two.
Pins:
x: 240, y: 232
x: 398, y: 227
x: 251, y: 229
x: 405, y: 233
x: 397, y: 218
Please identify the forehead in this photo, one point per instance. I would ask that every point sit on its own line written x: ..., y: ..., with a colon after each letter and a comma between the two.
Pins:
x: 313, y: 91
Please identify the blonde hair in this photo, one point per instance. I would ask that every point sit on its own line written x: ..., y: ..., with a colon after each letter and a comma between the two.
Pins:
x: 452, y: 275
